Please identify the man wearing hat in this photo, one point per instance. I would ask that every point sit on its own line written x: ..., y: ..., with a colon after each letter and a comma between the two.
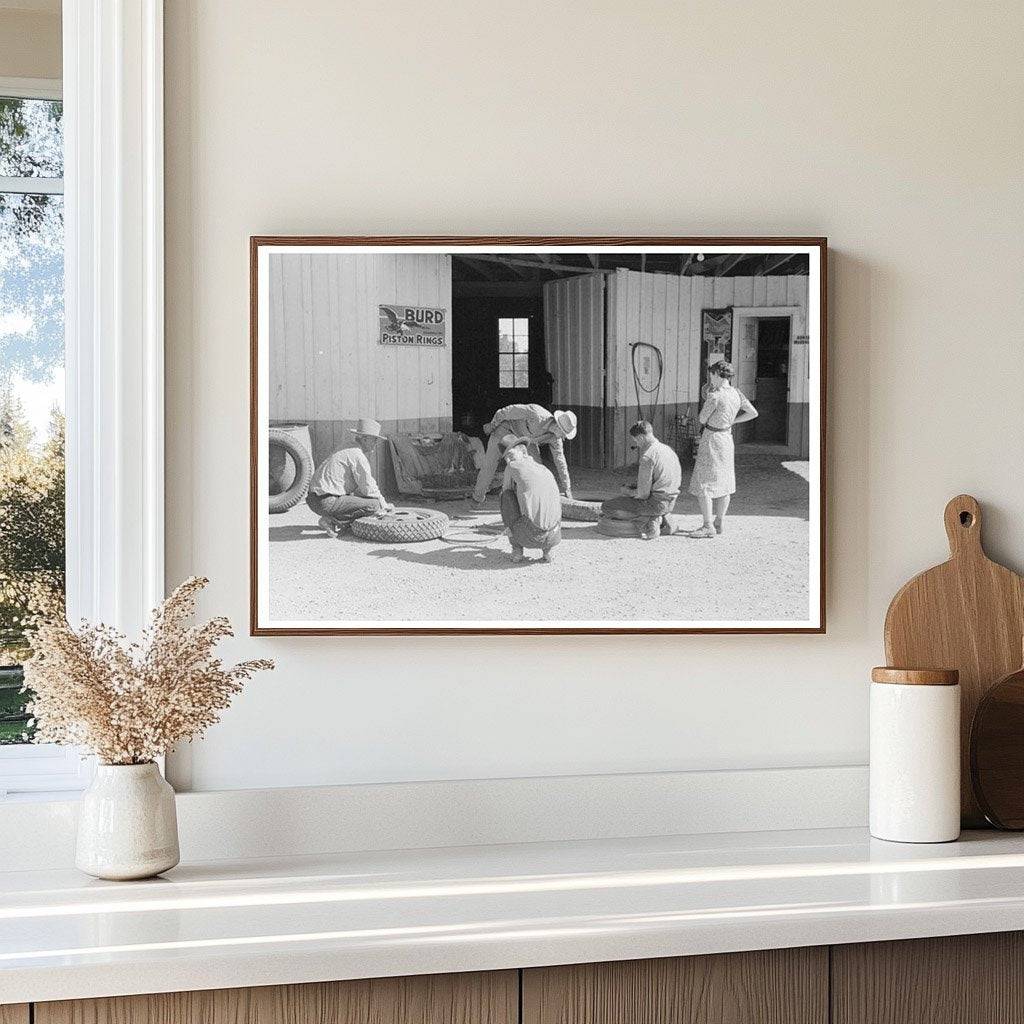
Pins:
x: 343, y: 487
x: 535, y: 426
x: 530, y: 507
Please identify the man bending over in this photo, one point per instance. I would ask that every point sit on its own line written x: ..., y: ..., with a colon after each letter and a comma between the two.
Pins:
x: 530, y: 505
x: 534, y: 425
x: 343, y: 487
x: 658, y: 480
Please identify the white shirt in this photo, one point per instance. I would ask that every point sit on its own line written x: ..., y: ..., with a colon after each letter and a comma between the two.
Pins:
x: 345, y: 472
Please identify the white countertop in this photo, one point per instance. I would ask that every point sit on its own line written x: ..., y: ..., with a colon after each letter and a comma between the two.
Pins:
x: 261, y: 922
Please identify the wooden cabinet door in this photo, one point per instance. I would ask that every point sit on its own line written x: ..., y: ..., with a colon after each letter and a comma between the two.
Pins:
x: 481, y: 998
x: 14, y: 1013
x: 778, y: 986
x: 960, y: 979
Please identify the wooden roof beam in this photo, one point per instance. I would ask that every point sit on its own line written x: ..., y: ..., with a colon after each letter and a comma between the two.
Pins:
x: 513, y: 261
x: 486, y: 270
x: 729, y: 262
x: 773, y: 263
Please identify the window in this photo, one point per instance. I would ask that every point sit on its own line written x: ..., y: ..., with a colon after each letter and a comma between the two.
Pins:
x: 32, y: 564
x: 513, y: 352
x: 107, y: 143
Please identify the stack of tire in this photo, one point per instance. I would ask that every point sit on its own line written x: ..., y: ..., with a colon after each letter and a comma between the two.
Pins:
x: 612, y: 526
x: 290, y: 465
x: 581, y: 511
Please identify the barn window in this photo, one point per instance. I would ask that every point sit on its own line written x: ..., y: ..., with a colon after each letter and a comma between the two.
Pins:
x: 513, y: 352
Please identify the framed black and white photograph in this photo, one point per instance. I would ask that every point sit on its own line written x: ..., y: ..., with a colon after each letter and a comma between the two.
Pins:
x: 537, y: 435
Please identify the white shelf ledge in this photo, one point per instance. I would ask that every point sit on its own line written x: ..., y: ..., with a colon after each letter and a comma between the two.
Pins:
x: 353, y: 915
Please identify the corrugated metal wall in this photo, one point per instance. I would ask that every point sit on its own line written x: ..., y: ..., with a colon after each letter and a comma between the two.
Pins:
x: 327, y: 367
x: 574, y: 339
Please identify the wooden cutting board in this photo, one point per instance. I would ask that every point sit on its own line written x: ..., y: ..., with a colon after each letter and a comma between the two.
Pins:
x: 967, y: 614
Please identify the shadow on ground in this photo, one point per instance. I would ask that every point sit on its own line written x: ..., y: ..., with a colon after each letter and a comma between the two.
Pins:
x: 766, y: 485
x: 462, y: 556
x: 296, y: 532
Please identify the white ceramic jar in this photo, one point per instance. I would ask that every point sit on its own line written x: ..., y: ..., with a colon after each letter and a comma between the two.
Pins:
x: 915, y: 755
x: 127, y: 824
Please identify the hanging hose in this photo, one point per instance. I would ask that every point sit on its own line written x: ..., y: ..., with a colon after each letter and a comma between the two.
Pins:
x: 638, y: 385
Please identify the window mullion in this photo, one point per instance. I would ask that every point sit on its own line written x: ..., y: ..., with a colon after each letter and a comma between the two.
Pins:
x: 32, y: 186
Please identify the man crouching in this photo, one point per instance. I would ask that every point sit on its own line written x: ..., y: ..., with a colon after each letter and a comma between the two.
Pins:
x: 658, y: 480
x: 531, y: 508
x: 343, y: 487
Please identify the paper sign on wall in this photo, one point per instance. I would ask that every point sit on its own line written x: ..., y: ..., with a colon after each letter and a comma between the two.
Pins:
x: 716, y: 330
x: 411, y: 325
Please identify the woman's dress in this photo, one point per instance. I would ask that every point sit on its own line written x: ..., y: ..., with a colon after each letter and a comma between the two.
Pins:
x: 714, y: 471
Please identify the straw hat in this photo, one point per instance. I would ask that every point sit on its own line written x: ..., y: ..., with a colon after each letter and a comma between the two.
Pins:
x: 566, y: 423
x: 367, y: 428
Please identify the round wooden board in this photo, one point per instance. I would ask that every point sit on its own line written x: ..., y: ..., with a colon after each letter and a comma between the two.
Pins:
x: 997, y: 752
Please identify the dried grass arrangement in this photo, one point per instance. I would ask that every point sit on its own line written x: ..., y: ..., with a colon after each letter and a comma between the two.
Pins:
x: 129, y: 703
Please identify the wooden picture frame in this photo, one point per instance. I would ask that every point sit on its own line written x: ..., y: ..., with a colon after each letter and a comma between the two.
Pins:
x: 544, y: 259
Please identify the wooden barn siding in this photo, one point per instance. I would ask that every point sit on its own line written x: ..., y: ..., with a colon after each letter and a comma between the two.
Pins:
x: 327, y: 368
x: 666, y: 426
x: 799, y: 383
x: 574, y: 342
x: 665, y: 310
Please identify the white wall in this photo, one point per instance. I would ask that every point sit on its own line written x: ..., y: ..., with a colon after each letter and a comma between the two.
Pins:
x: 30, y: 40
x: 895, y: 129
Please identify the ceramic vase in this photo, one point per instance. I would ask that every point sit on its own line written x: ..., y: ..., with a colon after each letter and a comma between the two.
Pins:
x: 127, y: 825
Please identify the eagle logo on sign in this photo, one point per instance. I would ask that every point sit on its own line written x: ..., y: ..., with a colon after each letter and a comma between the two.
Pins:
x: 393, y: 323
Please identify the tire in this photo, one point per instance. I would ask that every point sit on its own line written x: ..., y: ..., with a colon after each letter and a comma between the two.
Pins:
x: 617, y: 527
x: 581, y: 511
x: 403, y: 526
x: 303, y: 471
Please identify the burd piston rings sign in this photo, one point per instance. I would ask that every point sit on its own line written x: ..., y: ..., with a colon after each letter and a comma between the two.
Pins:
x: 411, y: 325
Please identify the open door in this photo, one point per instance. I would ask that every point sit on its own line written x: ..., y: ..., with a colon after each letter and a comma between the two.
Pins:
x: 772, y: 380
x: 761, y: 354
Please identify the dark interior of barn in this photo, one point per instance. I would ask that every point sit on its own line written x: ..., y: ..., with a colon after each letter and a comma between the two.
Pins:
x: 498, y: 351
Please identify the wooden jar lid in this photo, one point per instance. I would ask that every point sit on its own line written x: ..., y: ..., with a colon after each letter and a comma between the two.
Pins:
x: 916, y: 676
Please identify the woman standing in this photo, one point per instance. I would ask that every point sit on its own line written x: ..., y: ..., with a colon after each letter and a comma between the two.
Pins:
x: 714, y: 473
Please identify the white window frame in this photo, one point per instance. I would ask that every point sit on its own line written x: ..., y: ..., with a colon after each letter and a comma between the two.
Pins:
x: 514, y: 353
x: 114, y: 323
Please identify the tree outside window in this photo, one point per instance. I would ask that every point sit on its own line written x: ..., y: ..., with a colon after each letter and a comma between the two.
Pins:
x: 31, y: 386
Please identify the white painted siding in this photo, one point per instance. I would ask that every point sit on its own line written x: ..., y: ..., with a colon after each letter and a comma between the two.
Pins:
x: 325, y: 360
x: 665, y: 310
x: 574, y: 339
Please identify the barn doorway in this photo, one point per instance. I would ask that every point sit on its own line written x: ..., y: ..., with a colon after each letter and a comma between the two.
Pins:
x: 772, y: 381
x: 497, y: 357
x: 498, y: 353
x: 762, y: 353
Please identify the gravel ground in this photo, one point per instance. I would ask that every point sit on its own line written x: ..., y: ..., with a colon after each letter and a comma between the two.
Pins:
x: 757, y: 570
